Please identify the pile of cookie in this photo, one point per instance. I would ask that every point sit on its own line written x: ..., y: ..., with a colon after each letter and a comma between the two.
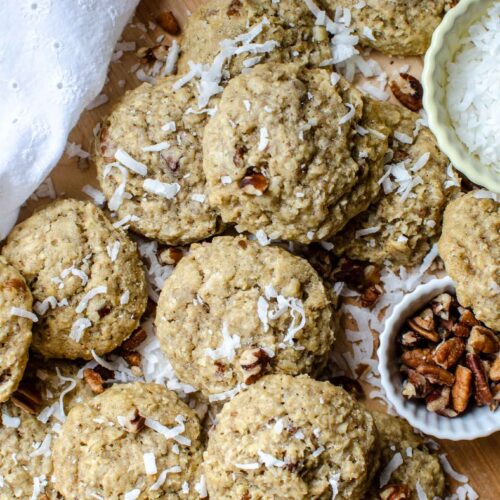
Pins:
x: 254, y: 139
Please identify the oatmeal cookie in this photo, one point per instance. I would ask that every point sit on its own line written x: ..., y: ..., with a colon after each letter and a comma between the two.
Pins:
x: 15, y: 330
x: 419, y: 464
x: 395, y: 27
x: 160, y: 128
x: 402, y: 225
x: 29, y: 423
x: 282, y: 155
x: 233, y: 310
x: 470, y: 249
x: 284, y: 31
x: 124, y: 440
x: 85, y: 275
x: 291, y: 438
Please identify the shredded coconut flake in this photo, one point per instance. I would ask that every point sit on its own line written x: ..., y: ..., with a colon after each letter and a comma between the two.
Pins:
x: 150, y: 463
x: 127, y: 161
x: 170, y: 433
x: 451, y: 471
x: 270, y: 461
x: 23, y: 313
x: 172, y: 57
x: 227, y: 350
x: 97, y: 196
x: 395, y: 462
x: 163, y: 189
x: 102, y: 289
x: 9, y: 421
x: 264, y: 139
x: 156, y: 147
x: 78, y: 327
x: 201, y: 487
x: 163, y: 476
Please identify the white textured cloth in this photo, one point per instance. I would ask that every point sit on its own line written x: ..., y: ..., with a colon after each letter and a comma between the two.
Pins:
x: 54, y: 56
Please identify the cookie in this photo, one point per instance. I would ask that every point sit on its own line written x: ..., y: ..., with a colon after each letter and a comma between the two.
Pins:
x: 291, y: 438
x: 418, y: 464
x: 15, y: 328
x: 27, y: 433
x: 404, y: 223
x: 470, y: 249
x: 233, y: 310
x: 86, y: 278
x: 160, y: 128
x: 394, y: 27
x: 282, y: 31
x: 280, y: 154
x: 132, y: 438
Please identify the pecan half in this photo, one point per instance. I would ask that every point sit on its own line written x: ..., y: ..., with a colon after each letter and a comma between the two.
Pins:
x: 395, y: 492
x: 435, y: 374
x: 168, y: 22
x: 254, y: 183
x: 447, y: 354
x: 483, y: 339
x: 135, y: 340
x: 424, y: 325
x: 482, y: 393
x: 416, y: 357
x: 437, y: 401
x: 495, y: 370
x: 412, y: 98
x: 462, y: 389
x: 253, y: 362
x: 94, y: 380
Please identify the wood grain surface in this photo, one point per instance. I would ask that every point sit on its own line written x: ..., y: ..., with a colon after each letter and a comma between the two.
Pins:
x: 480, y: 459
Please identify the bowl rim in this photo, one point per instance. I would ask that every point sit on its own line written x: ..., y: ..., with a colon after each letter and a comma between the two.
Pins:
x: 448, y: 140
x: 434, y: 288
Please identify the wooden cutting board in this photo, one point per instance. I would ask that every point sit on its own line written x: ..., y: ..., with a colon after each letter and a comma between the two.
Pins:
x: 480, y: 459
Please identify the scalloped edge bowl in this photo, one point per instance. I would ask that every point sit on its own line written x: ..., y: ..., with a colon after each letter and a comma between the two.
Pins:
x: 445, y: 42
x: 474, y: 423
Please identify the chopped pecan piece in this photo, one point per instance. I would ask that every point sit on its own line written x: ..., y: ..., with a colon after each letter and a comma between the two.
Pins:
x: 371, y: 295
x: 462, y: 389
x: 482, y: 393
x: 410, y: 339
x: 136, y: 423
x: 435, y: 374
x: 27, y: 399
x: 171, y: 256
x: 253, y: 362
x: 483, y: 339
x: 395, y: 492
x: 135, y: 340
x: 412, y: 98
x: 94, y: 380
x: 447, y: 354
x: 441, y: 305
x: 133, y: 358
x: 416, y: 357
x: 416, y: 386
x: 168, y: 22
x: 234, y: 8
x: 437, y: 401
x: 254, y: 183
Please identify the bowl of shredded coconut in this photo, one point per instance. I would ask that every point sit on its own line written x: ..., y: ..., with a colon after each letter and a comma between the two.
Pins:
x: 461, y: 80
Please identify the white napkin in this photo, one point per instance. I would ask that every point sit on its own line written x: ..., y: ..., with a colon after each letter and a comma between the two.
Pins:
x: 54, y: 56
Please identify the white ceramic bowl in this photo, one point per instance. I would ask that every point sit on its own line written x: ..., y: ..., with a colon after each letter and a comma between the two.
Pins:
x: 474, y: 423
x: 444, y: 45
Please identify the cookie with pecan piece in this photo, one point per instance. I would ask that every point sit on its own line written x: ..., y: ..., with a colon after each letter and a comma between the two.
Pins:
x: 86, y: 277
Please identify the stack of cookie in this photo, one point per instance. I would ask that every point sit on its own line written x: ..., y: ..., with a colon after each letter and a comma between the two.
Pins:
x: 253, y: 136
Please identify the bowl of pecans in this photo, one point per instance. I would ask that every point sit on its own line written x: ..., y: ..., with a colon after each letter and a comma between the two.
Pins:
x: 440, y: 366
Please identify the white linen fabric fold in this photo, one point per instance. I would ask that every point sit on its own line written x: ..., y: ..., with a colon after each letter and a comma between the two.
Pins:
x: 54, y: 56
